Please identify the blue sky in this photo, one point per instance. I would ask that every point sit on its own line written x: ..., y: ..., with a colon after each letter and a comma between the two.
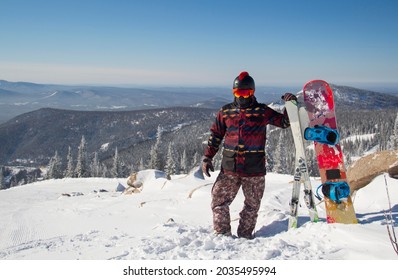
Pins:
x: 199, y: 42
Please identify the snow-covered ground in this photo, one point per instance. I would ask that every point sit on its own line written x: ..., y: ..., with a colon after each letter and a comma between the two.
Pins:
x: 88, y: 219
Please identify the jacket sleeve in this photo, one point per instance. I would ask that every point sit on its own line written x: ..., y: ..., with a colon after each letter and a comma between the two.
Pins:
x: 279, y: 119
x: 217, y: 132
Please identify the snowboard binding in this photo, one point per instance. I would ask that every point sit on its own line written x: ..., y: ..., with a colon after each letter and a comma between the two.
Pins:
x: 322, y: 134
x: 336, y: 191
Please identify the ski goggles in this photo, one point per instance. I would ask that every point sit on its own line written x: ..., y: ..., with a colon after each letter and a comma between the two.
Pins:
x: 245, y: 93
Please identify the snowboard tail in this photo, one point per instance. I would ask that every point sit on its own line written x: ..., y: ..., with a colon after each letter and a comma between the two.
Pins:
x: 319, y: 102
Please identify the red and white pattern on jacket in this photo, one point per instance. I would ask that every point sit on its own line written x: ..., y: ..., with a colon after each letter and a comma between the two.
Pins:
x: 244, y: 134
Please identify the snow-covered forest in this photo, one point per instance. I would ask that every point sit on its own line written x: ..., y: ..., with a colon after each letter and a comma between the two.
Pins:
x: 176, y: 150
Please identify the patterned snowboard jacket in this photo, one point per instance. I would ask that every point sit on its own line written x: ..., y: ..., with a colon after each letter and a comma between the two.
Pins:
x: 244, y: 134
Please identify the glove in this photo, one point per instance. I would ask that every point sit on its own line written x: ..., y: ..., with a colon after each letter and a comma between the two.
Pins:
x: 289, y: 96
x: 207, y: 165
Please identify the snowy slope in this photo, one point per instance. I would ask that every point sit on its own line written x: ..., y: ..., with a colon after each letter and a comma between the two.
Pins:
x: 88, y: 219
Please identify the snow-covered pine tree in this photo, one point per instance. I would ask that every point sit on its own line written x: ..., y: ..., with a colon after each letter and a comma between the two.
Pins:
x: 269, y: 163
x: 184, y: 162
x: 103, y: 170
x: 195, y: 160
x: 155, y: 154
x: 393, y: 143
x: 153, y: 160
x: 55, y: 167
x: 95, y: 166
x: 116, y: 167
x: 280, y: 155
x: 69, y: 173
x: 82, y: 167
x: 170, y: 167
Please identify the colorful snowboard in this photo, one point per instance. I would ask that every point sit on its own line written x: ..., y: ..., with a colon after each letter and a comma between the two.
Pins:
x: 319, y: 102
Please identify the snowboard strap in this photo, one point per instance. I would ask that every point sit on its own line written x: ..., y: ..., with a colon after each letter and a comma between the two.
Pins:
x: 335, y: 191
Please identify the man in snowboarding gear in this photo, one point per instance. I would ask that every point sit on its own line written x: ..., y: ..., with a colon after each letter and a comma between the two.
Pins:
x: 242, y: 125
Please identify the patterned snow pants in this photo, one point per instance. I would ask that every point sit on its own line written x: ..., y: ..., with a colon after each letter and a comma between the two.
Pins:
x: 224, y: 192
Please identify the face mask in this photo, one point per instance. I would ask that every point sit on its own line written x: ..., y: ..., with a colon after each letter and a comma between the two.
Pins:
x: 244, y: 102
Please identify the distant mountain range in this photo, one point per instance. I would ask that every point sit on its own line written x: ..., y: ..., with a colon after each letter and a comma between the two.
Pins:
x: 41, y: 120
x: 22, y: 97
x: 363, y: 99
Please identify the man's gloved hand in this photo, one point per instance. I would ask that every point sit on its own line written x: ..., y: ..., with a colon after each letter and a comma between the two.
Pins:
x: 289, y: 96
x: 207, y: 165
